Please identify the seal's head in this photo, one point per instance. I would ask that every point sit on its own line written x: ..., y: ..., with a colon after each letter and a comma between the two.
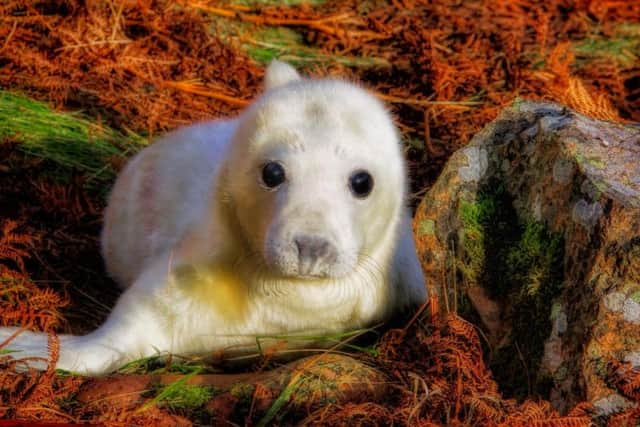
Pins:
x: 317, y: 177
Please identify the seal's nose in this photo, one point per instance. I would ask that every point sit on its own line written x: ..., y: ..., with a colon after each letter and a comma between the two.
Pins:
x: 313, y: 248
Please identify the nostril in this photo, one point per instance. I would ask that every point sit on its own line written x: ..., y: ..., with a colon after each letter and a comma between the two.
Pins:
x: 311, y: 247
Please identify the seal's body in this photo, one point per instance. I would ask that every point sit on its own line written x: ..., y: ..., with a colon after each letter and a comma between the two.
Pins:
x: 288, y: 220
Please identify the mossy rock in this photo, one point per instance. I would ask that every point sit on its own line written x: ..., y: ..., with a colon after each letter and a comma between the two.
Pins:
x: 535, y: 228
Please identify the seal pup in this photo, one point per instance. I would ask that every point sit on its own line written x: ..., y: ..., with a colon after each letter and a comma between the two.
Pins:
x: 287, y: 220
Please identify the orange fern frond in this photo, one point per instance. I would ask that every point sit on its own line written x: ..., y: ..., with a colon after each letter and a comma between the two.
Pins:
x: 13, y: 244
x: 628, y: 418
x: 625, y: 378
x: 589, y: 103
x: 582, y: 409
x: 486, y: 407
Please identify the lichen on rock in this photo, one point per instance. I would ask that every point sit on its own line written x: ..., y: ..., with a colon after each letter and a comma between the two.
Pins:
x: 476, y: 166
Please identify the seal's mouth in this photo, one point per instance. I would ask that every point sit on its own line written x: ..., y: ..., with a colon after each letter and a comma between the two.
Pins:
x: 297, y: 273
x: 288, y: 267
x: 313, y: 276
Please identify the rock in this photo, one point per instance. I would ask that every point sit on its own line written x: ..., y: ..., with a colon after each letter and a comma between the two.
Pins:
x: 534, y: 228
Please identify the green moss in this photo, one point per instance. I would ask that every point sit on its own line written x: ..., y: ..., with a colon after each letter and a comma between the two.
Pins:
x: 473, y: 215
x: 635, y: 296
x: 181, y: 396
x: 518, y: 102
x: 489, y: 225
x: 417, y: 143
x: 534, y: 274
x: 596, y: 162
x: 533, y: 263
x: 428, y: 226
x: 185, y: 396
x: 520, y: 264
x: 242, y: 391
x: 562, y: 372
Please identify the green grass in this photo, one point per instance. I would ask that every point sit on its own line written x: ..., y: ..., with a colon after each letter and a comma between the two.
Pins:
x: 70, y: 140
x: 281, y: 400
x: 341, y: 339
x: 623, y: 47
x: 159, y: 364
x: 287, y: 45
x: 265, y: 44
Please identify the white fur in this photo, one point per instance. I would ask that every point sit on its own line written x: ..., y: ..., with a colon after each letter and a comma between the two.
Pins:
x: 205, y: 252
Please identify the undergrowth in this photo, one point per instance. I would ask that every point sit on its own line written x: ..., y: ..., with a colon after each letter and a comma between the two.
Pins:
x: 141, y: 68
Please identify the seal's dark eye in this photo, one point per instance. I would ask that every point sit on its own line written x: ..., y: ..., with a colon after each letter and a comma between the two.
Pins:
x: 361, y: 184
x: 273, y: 174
